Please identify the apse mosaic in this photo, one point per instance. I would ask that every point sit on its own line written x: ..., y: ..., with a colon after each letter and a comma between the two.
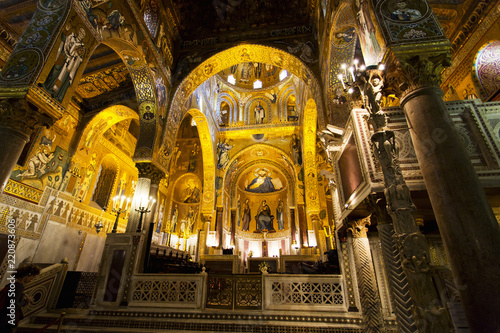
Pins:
x: 261, y: 200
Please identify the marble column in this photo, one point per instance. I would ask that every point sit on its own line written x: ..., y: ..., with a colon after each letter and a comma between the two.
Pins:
x: 365, y: 274
x: 18, y: 119
x: 468, y: 227
x: 147, y: 186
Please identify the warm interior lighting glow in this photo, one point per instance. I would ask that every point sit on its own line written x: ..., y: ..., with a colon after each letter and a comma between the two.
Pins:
x: 231, y: 79
x: 283, y: 75
x: 257, y: 84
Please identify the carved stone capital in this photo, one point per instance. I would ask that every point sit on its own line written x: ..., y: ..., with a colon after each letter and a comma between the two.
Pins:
x: 20, y: 116
x: 358, y: 227
x: 150, y: 171
x: 315, y: 218
x: 417, y: 71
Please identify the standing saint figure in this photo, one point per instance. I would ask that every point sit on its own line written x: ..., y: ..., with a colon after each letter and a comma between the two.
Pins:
x: 246, y: 216
x: 222, y: 154
x: 175, y: 216
x: 63, y: 72
x: 238, y: 212
x: 160, y: 217
x: 295, y: 148
x: 191, y: 218
x: 193, y: 156
x: 259, y: 114
x: 279, y: 215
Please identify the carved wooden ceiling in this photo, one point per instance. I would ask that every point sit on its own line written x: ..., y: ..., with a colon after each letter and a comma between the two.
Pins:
x: 203, y: 19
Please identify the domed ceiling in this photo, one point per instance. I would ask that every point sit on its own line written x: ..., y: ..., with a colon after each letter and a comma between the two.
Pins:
x: 245, y: 74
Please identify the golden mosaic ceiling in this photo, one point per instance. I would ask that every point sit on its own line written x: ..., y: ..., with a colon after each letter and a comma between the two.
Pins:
x: 247, y: 73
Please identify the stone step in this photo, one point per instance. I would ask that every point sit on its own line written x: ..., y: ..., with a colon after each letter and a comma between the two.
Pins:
x: 195, y: 321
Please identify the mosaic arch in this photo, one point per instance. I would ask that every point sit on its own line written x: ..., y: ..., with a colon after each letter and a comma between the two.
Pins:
x: 309, y: 159
x: 229, y: 98
x: 124, y: 40
x: 233, y: 56
x: 146, y: 97
x: 259, y: 154
x: 102, y: 122
x: 208, y: 154
x: 283, y: 101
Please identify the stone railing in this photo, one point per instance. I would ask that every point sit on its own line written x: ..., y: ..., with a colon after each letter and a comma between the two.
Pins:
x: 45, y: 288
x: 168, y: 290
x: 304, y: 292
x: 234, y: 292
x: 239, y: 292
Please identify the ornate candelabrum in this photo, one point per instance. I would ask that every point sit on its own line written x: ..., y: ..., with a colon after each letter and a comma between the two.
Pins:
x: 120, y: 205
x: 143, y: 209
x: 369, y: 81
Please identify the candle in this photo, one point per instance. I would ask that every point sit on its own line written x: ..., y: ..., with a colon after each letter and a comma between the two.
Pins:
x: 121, y: 203
x: 344, y: 67
x: 341, y: 78
x: 351, y: 69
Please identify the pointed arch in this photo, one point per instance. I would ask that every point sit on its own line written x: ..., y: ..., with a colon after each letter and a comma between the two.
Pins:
x: 102, y: 122
x: 207, y: 151
x: 227, y: 58
x: 228, y: 97
x: 309, y: 160
x: 146, y: 96
x: 260, y: 98
x: 283, y: 97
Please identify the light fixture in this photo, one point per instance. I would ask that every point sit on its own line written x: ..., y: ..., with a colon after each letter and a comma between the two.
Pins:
x: 257, y: 84
x: 144, y: 209
x: 231, y: 79
x: 283, y: 74
x: 98, y: 226
x: 120, y: 205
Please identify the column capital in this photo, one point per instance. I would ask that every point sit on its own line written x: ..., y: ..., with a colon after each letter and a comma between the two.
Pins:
x: 150, y: 171
x: 410, y: 72
x: 18, y: 115
x: 358, y: 228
